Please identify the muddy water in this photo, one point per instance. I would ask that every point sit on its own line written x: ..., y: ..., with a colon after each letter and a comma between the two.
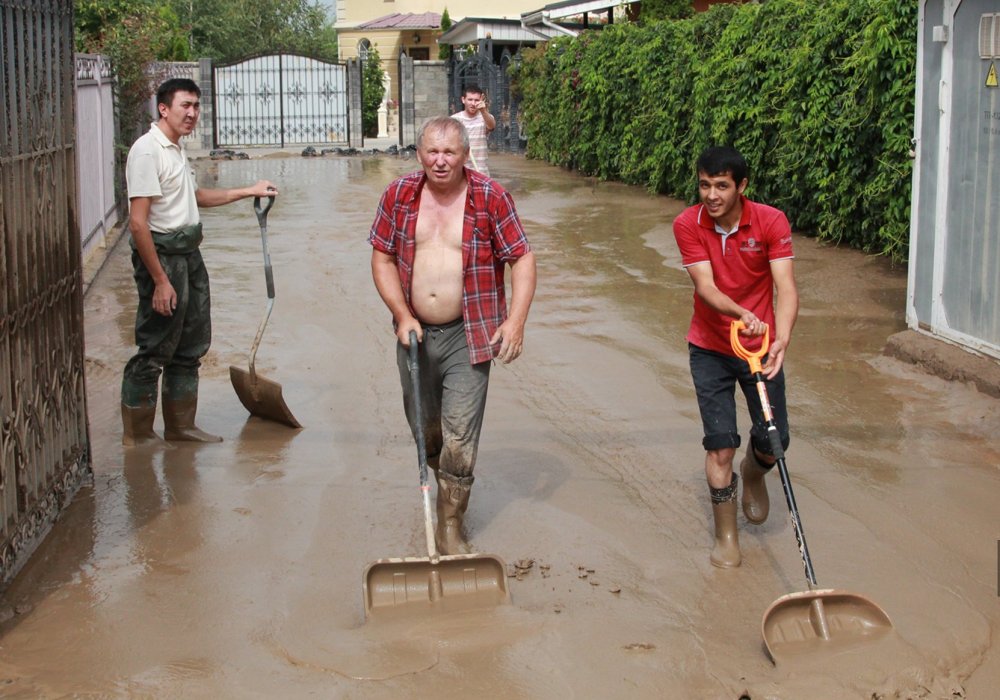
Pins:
x: 234, y: 570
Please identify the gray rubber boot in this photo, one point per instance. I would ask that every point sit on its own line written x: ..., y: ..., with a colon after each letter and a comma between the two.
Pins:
x: 137, y: 426
x: 178, y: 422
x: 756, y: 504
x: 452, y: 502
x: 726, y: 553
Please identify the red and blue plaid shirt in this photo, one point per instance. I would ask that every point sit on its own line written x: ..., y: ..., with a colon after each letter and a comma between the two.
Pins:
x: 492, y: 236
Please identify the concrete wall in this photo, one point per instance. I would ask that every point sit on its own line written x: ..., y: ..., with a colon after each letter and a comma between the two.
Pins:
x: 424, y: 94
x: 95, y: 161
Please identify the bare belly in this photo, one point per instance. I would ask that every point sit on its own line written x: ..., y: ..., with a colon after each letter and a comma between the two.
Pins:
x: 437, y: 286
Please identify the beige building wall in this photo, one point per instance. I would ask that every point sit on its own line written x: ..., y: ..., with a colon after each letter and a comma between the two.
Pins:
x: 353, y: 12
x: 390, y: 42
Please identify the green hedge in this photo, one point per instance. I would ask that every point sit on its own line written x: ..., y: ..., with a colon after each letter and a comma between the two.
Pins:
x: 817, y: 95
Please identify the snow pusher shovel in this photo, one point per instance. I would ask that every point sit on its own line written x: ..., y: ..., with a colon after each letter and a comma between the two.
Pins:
x: 819, y: 619
x: 260, y: 395
x: 436, y: 582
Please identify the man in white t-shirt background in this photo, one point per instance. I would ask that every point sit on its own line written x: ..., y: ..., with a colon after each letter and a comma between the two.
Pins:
x: 173, y: 325
x: 478, y: 122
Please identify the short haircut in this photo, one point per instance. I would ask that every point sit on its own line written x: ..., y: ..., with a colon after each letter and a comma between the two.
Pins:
x: 471, y: 87
x: 165, y: 93
x: 444, y: 124
x: 719, y: 160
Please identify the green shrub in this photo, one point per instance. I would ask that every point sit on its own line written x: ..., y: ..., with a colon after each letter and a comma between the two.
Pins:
x: 818, y: 96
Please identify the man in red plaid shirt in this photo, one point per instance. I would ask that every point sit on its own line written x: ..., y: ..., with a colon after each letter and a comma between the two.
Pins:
x: 440, y: 242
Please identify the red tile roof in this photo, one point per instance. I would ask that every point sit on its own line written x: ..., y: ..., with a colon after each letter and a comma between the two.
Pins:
x: 407, y: 20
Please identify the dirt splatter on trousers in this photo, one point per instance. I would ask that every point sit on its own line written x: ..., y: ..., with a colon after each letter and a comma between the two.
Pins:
x: 453, y: 398
x: 173, y: 345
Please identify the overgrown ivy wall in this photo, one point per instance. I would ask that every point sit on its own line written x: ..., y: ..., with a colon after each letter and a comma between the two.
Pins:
x: 818, y: 95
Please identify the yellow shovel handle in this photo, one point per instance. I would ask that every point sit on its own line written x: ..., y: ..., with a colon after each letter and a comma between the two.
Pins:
x: 752, y: 357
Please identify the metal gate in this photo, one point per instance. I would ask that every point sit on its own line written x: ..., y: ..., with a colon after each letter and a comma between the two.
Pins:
x: 479, y: 68
x: 280, y: 100
x: 44, y: 446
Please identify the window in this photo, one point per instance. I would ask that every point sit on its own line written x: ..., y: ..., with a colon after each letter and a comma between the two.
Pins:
x: 989, y: 36
x: 364, y: 46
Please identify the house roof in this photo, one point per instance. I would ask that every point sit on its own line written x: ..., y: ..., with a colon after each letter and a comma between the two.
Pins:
x: 404, y: 20
x: 569, y: 8
x: 501, y: 31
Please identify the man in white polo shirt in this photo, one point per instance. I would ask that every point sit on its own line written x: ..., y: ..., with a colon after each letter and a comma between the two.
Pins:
x: 173, y: 326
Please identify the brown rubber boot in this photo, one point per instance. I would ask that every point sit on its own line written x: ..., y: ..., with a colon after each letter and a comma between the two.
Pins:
x: 756, y: 503
x: 137, y: 426
x: 178, y: 422
x: 452, y: 501
x: 726, y: 553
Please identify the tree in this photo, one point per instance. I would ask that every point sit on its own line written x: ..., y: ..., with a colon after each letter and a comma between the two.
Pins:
x: 654, y: 10
x: 227, y: 30
x: 372, y: 91
x: 444, y: 50
x: 133, y: 34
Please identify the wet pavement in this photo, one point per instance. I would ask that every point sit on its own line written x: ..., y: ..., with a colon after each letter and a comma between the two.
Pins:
x: 234, y: 570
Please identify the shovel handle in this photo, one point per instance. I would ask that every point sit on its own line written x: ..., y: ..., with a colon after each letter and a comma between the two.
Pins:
x: 418, y: 410
x: 262, y: 211
x: 752, y: 357
x: 262, y: 220
x: 413, y: 365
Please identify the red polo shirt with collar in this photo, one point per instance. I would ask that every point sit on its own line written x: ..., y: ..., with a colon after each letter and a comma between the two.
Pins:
x: 492, y: 236
x: 741, y: 266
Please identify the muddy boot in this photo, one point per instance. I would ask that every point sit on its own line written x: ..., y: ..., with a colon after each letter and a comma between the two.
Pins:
x: 726, y: 553
x: 178, y: 421
x: 452, y: 500
x: 137, y: 426
x: 756, y: 504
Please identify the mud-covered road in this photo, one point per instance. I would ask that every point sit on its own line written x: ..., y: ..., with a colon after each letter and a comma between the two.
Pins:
x: 234, y: 570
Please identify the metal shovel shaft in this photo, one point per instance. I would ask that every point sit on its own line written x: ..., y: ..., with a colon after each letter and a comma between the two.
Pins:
x: 260, y: 396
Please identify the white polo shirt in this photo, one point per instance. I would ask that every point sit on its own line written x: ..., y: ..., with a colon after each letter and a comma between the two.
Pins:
x: 158, y: 168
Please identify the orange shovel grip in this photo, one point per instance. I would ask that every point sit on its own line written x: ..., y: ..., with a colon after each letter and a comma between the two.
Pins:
x: 752, y: 357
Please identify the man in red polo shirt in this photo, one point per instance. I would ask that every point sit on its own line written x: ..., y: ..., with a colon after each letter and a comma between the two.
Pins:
x: 738, y: 253
x: 440, y: 241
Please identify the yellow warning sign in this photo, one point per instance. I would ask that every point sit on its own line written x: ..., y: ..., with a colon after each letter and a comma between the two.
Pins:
x: 991, y: 76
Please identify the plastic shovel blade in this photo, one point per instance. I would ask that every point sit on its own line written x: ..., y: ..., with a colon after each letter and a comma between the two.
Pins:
x: 821, y: 621
x: 455, y: 582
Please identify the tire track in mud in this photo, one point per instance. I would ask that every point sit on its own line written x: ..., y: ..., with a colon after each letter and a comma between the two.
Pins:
x: 602, y: 439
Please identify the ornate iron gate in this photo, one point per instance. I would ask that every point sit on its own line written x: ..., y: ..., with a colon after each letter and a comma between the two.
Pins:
x: 280, y: 99
x: 479, y: 68
x: 44, y: 446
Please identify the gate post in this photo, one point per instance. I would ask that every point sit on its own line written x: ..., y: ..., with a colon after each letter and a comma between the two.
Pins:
x: 355, y: 128
x: 207, y: 121
x: 408, y: 127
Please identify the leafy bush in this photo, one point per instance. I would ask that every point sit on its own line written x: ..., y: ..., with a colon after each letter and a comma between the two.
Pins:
x: 818, y: 96
x: 372, y: 91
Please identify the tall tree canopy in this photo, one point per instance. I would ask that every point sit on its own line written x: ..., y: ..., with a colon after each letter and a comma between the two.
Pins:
x: 226, y: 30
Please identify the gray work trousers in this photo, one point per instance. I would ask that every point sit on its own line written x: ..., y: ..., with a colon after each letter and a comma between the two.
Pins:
x: 453, y: 396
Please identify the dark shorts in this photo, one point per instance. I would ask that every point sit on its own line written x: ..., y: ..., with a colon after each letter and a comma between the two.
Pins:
x: 715, y: 377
